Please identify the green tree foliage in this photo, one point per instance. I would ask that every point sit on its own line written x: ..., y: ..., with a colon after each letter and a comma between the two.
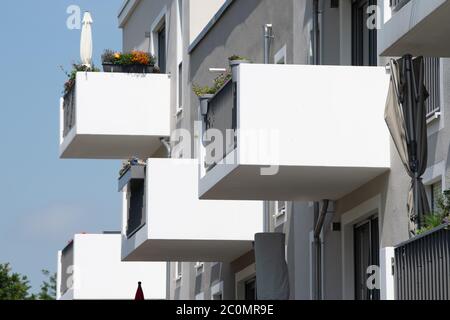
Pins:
x: 13, y: 286
x: 48, y: 287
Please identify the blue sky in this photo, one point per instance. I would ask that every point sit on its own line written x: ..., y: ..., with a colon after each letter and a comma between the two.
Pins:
x: 44, y: 200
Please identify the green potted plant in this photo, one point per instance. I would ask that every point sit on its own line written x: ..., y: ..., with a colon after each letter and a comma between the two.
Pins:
x: 222, y: 80
x: 204, y: 94
x: 137, y: 62
x: 235, y: 61
x: 440, y: 217
x: 72, y: 75
x: 110, y: 61
x: 129, y: 62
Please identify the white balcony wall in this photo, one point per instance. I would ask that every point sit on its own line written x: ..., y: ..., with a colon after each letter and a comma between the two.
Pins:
x: 321, y: 128
x: 117, y: 116
x: 418, y: 28
x: 180, y: 227
x: 99, y: 274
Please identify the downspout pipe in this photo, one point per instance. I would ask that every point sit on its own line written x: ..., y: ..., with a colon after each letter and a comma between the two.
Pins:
x: 268, y: 37
x: 319, y: 215
x: 316, y: 33
x: 166, y: 143
x: 320, y: 221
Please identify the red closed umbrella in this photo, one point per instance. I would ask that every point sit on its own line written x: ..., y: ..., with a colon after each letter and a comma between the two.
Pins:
x: 139, y: 293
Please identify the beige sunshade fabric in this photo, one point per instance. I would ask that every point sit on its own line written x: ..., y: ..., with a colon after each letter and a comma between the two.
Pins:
x: 405, y: 116
x: 86, y: 40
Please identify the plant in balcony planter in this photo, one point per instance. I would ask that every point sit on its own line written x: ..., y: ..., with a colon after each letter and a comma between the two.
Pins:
x: 221, y: 80
x: 109, y: 61
x: 137, y: 62
x: 130, y: 62
x: 235, y: 61
x: 72, y: 75
x: 439, y: 218
x: 204, y: 94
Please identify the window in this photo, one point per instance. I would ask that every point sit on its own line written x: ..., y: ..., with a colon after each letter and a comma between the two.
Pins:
x: 367, y: 251
x: 280, y: 213
x: 180, y: 57
x: 217, y: 296
x: 199, y: 267
x: 200, y: 296
x: 244, y: 280
x: 217, y: 291
x: 135, y: 196
x: 432, y: 68
x: 158, y: 40
x: 180, y: 14
x: 364, y: 40
x: 180, y: 86
x: 250, y: 290
x: 162, y: 48
x: 435, y: 194
x: 178, y: 270
x: 280, y: 56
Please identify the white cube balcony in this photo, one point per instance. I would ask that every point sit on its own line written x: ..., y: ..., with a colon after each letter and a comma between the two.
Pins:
x: 114, y: 115
x: 301, y: 133
x: 90, y: 268
x: 163, y: 219
x: 415, y: 27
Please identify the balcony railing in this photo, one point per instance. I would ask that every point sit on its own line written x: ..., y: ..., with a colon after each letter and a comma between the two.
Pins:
x: 432, y: 83
x: 66, y: 268
x: 396, y: 5
x: 422, y: 267
x: 222, y: 116
x: 69, y: 112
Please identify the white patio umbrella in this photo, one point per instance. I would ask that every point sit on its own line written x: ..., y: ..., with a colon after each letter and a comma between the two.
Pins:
x: 86, y: 40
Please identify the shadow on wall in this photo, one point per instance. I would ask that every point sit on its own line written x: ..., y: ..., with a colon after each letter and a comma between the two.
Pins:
x: 230, y: 23
x: 217, y: 37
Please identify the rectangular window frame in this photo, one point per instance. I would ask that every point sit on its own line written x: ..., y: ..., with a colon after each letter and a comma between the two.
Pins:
x: 160, y: 22
x: 178, y: 271
x: 281, y: 56
x: 357, y: 33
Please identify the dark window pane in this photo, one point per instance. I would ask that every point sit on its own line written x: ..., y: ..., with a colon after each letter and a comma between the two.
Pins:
x: 250, y: 290
x: 135, y: 205
x: 162, y: 49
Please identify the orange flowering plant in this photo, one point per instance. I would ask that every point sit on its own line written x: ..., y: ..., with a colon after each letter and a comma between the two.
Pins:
x: 140, y: 57
x: 135, y: 57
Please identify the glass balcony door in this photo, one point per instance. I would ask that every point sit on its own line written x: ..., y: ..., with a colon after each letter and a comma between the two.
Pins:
x: 366, y: 254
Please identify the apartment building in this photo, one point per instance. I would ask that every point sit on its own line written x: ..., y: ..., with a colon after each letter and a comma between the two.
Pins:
x: 311, y: 157
x: 110, y: 115
x: 419, y: 28
x: 182, y: 22
x: 364, y: 216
